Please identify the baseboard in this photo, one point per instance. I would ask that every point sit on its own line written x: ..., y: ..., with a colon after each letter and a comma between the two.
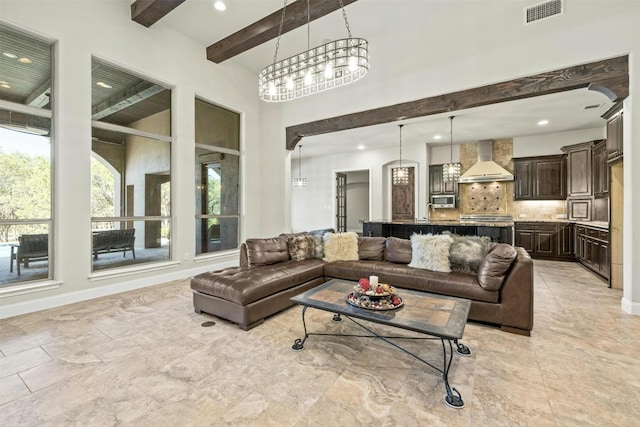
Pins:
x: 630, y: 307
x: 44, y: 303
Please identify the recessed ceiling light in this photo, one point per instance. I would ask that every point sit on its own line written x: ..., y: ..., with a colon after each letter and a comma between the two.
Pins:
x: 543, y: 122
x: 9, y: 55
x: 437, y: 136
x: 104, y: 85
x: 25, y: 60
x: 5, y: 85
x: 361, y: 147
x: 219, y: 5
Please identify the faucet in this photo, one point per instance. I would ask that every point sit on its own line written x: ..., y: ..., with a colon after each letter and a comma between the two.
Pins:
x: 429, y: 208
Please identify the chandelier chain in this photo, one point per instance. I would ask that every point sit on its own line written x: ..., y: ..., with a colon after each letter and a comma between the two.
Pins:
x: 451, y: 141
x: 275, y: 55
x: 344, y: 15
x: 400, y: 126
x: 300, y: 161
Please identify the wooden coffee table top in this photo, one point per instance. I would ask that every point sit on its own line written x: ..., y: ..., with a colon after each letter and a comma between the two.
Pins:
x: 431, y: 314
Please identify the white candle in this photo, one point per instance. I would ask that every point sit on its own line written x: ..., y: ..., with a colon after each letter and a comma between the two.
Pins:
x: 373, y: 280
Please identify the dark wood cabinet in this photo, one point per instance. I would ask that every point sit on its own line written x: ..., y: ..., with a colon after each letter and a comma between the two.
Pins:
x: 540, y: 178
x: 545, y: 240
x: 437, y: 185
x: 614, y: 133
x: 592, y: 248
x: 600, y: 171
x: 579, y: 169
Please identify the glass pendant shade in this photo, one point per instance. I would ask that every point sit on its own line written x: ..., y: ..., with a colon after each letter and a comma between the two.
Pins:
x: 451, y: 171
x: 331, y: 65
x: 400, y: 175
x: 299, y: 181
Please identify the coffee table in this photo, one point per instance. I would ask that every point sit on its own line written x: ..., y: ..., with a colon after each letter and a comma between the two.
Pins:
x: 439, y: 317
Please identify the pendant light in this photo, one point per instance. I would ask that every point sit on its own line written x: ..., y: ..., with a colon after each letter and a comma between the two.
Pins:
x: 328, y: 66
x: 299, y: 181
x: 451, y: 171
x: 400, y: 175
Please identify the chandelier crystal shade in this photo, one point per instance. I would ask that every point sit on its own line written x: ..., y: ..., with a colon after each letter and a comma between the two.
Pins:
x: 299, y: 181
x: 331, y: 65
x: 400, y: 175
x: 451, y: 171
x: 334, y: 64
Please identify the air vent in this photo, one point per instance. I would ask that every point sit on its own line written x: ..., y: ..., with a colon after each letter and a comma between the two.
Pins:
x: 591, y: 107
x: 543, y: 11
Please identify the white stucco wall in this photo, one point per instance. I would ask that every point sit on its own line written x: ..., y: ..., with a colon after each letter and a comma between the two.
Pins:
x: 103, y: 28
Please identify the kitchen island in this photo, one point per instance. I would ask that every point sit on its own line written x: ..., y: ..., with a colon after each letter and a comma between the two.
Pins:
x: 499, y: 231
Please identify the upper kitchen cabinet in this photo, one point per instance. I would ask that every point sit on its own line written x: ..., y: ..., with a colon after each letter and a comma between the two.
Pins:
x: 614, y: 133
x: 540, y: 178
x: 600, y: 171
x: 437, y: 185
x: 580, y: 169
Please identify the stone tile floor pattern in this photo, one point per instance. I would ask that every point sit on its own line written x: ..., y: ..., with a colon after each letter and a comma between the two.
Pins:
x: 142, y: 358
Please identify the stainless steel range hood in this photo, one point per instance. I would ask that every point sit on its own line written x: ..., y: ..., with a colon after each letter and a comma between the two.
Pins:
x: 485, y: 170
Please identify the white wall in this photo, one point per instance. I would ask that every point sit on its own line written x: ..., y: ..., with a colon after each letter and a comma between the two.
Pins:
x: 550, y: 143
x: 104, y: 28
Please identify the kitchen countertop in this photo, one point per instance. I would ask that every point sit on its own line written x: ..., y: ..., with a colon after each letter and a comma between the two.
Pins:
x: 597, y: 224
x: 448, y: 222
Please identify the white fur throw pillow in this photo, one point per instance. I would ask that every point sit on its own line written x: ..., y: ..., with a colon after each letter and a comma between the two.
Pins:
x: 431, y: 252
x: 340, y: 247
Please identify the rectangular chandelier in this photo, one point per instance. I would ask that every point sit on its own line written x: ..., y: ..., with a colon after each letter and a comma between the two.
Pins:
x: 334, y: 64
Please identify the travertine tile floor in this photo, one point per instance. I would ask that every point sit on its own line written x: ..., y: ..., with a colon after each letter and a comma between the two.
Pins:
x: 142, y: 358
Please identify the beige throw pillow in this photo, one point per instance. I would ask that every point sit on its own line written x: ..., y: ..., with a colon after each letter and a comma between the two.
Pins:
x: 341, y: 247
x: 431, y: 252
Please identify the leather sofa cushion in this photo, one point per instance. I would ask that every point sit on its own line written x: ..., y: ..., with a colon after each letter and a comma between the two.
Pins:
x: 245, y: 285
x: 397, y: 250
x: 402, y: 276
x: 495, y: 265
x: 267, y: 251
x: 371, y: 248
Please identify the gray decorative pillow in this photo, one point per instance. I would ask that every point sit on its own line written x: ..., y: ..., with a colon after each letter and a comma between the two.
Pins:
x: 467, y: 253
x: 431, y: 252
x: 341, y: 246
x: 318, y: 241
x: 267, y: 251
x: 300, y: 248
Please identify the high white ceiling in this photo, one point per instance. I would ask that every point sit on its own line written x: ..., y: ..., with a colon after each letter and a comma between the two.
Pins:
x: 199, y: 20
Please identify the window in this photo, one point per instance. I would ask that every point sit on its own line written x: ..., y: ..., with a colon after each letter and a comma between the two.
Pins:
x: 217, y: 178
x: 131, y: 169
x: 26, y: 169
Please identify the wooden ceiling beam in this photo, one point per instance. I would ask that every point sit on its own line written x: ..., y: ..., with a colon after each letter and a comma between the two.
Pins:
x: 610, y: 77
x: 267, y: 28
x: 148, y: 12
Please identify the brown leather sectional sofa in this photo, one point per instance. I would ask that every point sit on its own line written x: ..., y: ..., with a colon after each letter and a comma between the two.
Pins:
x: 262, y: 286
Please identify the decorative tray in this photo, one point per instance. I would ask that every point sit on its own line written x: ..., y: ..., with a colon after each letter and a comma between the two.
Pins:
x: 372, y: 303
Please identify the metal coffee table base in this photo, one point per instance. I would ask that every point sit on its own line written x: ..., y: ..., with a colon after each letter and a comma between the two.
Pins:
x: 452, y: 398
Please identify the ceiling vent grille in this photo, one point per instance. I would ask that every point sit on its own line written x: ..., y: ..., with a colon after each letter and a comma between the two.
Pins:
x: 543, y: 10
